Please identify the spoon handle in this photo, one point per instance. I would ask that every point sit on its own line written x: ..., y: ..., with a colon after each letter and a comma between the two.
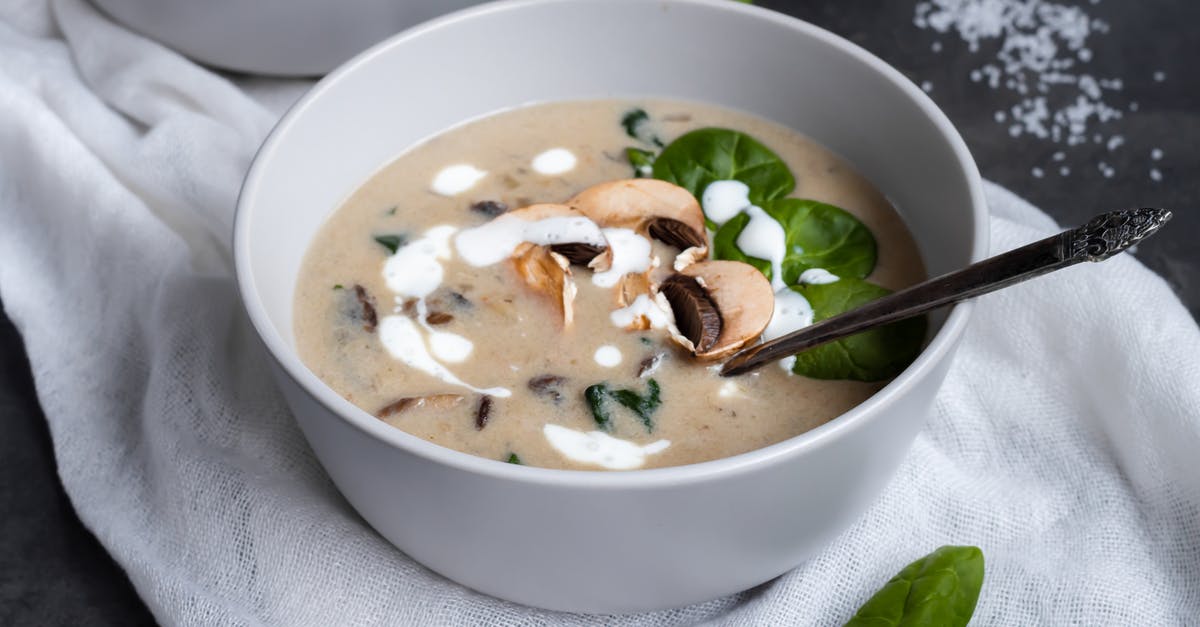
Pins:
x: 1101, y: 238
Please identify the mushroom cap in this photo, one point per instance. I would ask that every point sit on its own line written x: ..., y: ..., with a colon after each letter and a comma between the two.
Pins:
x: 741, y: 295
x: 665, y: 211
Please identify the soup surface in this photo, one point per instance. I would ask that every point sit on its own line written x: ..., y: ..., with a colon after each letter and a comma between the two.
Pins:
x: 398, y: 311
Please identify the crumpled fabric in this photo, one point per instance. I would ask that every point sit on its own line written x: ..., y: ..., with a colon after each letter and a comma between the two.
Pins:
x: 1064, y: 442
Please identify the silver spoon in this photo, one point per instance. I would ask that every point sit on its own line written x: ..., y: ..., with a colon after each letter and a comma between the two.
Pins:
x: 1102, y: 237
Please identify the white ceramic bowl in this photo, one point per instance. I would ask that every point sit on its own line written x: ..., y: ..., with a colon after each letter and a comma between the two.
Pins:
x: 285, y: 37
x: 606, y: 541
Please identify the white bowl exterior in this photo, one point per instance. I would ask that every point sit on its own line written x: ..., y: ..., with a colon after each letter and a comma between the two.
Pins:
x: 283, y: 37
x: 606, y: 542
x: 612, y: 550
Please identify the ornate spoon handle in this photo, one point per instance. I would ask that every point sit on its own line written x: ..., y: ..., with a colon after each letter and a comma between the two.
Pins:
x: 1101, y: 238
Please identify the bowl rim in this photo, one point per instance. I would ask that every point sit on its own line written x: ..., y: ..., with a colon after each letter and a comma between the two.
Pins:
x: 940, y: 347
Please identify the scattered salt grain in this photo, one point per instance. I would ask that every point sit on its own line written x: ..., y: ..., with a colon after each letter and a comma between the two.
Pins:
x: 1059, y: 156
x: 1156, y: 154
x: 1064, y: 171
x: 926, y: 86
x: 1037, y: 52
x: 1037, y: 173
x: 1155, y: 175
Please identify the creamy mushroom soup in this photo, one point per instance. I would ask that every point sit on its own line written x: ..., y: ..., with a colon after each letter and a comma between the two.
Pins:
x: 555, y: 285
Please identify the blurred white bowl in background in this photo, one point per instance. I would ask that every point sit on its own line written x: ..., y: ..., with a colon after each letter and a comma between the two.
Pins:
x: 282, y: 37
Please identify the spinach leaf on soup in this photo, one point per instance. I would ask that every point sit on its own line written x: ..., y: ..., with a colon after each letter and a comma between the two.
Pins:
x: 873, y: 355
x: 725, y: 244
x: 696, y: 159
x: 637, y: 125
x: 391, y: 242
x: 820, y: 235
x: 642, y: 405
x: 642, y: 162
x: 941, y: 589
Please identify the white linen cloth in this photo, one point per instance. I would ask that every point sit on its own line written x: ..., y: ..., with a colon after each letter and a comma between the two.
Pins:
x: 1065, y: 442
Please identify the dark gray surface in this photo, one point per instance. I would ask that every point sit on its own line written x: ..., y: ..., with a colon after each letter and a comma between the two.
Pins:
x: 53, y: 572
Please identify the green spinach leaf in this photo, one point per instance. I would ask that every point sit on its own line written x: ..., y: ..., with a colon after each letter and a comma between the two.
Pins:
x: 819, y: 235
x: 702, y: 156
x: 642, y: 162
x: 873, y: 355
x: 725, y: 244
x: 637, y: 126
x: 391, y: 242
x: 513, y: 459
x: 939, y: 589
x: 643, y: 405
x: 596, y: 395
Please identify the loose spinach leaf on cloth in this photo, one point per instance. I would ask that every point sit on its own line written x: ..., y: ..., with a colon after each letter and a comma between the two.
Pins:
x: 820, y: 235
x: 873, y: 355
x: 699, y: 157
x: 938, y: 590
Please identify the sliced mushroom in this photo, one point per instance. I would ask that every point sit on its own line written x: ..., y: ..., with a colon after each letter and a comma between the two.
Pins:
x: 690, y: 256
x: 630, y: 287
x: 662, y: 210
x: 582, y: 253
x: 548, y: 273
x: 696, y: 315
x: 719, y: 306
x: 369, y: 317
x: 434, y: 401
x: 548, y: 385
x: 579, y: 253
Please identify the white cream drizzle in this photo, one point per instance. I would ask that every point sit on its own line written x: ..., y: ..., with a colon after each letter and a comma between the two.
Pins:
x: 722, y: 200
x: 643, y: 305
x: 608, y: 356
x: 818, y: 276
x: 456, y: 179
x: 730, y: 389
x: 792, y: 312
x: 764, y: 238
x: 630, y: 253
x: 414, y: 270
x: 495, y: 241
x: 402, y: 339
x: 600, y: 448
x: 554, y: 161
